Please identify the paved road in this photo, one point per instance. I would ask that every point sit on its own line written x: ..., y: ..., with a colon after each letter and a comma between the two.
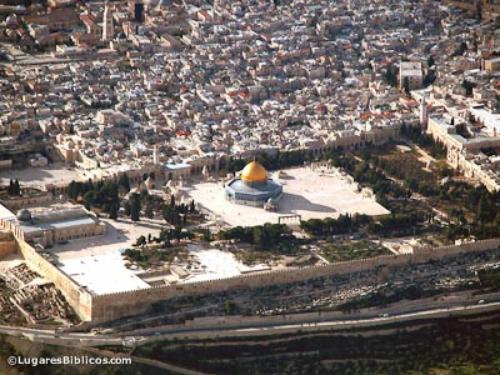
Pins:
x: 460, y: 299
x: 429, y: 308
x: 197, y: 333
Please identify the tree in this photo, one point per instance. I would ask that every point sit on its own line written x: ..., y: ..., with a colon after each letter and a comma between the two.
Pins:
x: 207, y: 235
x: 390, y: 76
x: 229, y: 307
x: 165, y: 236
x: 124, y: 182
x: 148, y: 211
x: 141, y: 241
x: 89, y: 199
x: 74, y: 190
x: 113, y: 209
x: 429, y: 78
x: 168, y: 213
x: 406, y: 85
x: 127, y: 208
x: 14, y: 188
x: 461, y: 49
x: 484, y: 208
x: 468, y: 86
x: 192, y: 207
x: 10, y: 189
x: 135, y: 207
x: 177, y: 234
x: 430, y: 61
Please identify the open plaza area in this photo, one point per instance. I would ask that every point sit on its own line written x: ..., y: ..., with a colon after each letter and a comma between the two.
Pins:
x: 212, y: 264
x: 306, y: 192
x: 55, y: 174
x: 96, y: 263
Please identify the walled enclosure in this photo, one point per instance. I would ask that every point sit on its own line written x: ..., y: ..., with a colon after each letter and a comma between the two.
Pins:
x: 118, y: 305
x: 79, y: 299
x: 7, y: 244
x: 108, y: 307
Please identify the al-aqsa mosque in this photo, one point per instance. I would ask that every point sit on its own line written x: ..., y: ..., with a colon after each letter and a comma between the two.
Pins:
x: 253, y: 187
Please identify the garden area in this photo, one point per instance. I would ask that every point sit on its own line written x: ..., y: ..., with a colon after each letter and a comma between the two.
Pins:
x: 353, y: 250
x: 151, y: 251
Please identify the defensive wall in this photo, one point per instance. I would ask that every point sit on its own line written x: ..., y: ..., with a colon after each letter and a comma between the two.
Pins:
x: 16, y: 203
x: 113, y: 306
x: 107, y: 307
x: 7, y: 244
x: 79, y: 298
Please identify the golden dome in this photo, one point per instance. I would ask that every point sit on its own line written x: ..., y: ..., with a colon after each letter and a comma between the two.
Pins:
x: 254, y: 172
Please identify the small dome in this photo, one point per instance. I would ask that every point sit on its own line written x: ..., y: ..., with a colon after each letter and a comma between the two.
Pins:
x: 254, y: 172
x: 23, y: 215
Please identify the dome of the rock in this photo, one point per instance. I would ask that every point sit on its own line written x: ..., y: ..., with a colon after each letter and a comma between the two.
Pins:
x: 254, y: 172
x: 253, y: 187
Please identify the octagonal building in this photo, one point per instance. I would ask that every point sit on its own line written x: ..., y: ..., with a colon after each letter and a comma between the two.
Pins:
x: 253, y: 187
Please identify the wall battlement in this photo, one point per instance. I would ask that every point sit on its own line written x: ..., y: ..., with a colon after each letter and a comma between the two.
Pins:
x: 117, y: 305
x: 106, y: 307
x: 79, y: 298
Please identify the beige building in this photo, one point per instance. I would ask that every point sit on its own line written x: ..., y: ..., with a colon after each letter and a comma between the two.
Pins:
x: 412, y: 71
x: 466, y: 155
x: 492, y: 65
x: 48, y: 226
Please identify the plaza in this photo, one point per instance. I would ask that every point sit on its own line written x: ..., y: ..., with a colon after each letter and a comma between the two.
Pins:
x: 312, y: 194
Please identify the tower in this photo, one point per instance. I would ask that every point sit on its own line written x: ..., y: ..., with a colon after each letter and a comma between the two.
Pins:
x: 107, y: 24
x: 156, y: 156
x: 423, y: 113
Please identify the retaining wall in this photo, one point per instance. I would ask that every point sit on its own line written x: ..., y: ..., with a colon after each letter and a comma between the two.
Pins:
x: 79, y: 298
x: 7, y: 247
x: 107, y: 307
x: 117, y: 305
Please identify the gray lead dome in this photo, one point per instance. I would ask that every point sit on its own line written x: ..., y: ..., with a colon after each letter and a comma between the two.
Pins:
x: 24, y: 215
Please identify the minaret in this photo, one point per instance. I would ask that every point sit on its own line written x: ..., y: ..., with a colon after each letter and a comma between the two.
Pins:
x: 423, y: 113
x: 156, y: 156
x: 107, y: 24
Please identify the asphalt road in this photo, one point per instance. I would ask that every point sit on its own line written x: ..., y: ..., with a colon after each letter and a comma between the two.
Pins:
x: 454, y: 305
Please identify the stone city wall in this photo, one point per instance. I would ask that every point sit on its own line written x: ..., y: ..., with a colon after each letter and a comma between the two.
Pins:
x: 7, y: 245
x: 16, y: 203
x: 117, y: 305
x: 103, y: 308
x: 79, y: 299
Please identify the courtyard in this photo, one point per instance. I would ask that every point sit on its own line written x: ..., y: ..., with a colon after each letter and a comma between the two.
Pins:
x: 39, y: 177
x: 312, y: 194
x: 97, y: 263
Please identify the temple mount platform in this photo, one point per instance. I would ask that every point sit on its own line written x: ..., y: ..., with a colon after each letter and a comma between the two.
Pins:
x: 304, y: 191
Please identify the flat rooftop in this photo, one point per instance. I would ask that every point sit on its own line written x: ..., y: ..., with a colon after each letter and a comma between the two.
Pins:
x: 103, y: 273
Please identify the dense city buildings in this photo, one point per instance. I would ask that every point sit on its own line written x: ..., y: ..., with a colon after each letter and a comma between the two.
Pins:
x: 244, y: 152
